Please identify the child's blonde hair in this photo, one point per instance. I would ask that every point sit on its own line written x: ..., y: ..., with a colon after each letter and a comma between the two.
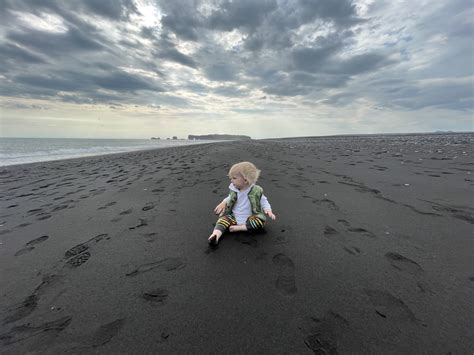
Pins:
x: 247, y: 170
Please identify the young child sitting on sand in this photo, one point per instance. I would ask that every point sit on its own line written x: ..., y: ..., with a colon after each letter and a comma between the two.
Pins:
x: 245, y: 207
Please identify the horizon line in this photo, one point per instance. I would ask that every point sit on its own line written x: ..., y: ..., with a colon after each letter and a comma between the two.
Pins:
x: 311, y: 136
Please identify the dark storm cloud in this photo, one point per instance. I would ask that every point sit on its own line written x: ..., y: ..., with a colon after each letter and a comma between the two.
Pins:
x: 246, y: 14
x: 270, y: 39
x: 12, y: 54
x: 182, y: 18
x: 76, y: 35
x: 81, y: 88
x: 341, y: 12
x: 181, y: 26
x: 361, y: 63
x: 300, y: 83
x: 77, y: 40
x: 313, y: 59
x: 125, y: 82
x: 176, y: 56
x: 59, y: 83
x: 54, y: 43
x: 286, y: 89
x: 278, y: 30
x: 280, y: 16
x: 26, y: 91
x: 319, y: 81
x: 266, y: 23
x: 113, y: 9
x: 165, y: 48
x: 220, y: 72
x: 318, y: 49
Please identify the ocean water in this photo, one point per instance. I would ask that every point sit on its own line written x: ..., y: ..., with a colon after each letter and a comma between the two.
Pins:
x: 31, y: 150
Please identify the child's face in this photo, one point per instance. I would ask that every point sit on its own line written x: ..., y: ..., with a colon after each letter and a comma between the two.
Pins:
x: 238, y: 181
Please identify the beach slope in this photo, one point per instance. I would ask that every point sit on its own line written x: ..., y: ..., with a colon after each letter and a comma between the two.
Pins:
x: 371, y: 251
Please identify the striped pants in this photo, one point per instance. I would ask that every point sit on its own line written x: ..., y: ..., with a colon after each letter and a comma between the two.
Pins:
x: 253, y: 223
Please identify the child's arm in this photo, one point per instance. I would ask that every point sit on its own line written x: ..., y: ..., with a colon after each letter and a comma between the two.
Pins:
x: 267, y: 209
x: 220, y: 208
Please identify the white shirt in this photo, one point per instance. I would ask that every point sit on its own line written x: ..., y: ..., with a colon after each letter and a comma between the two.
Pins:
x: 242, y: 208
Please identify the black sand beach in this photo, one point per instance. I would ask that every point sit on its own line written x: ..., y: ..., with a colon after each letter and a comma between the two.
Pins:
x: 371, y: 252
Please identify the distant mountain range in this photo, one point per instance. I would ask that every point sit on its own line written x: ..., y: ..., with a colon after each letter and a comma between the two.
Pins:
x: 218, y: 137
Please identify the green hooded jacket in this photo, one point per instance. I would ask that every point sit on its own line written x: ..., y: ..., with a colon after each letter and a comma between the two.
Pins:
x: 254, y: 195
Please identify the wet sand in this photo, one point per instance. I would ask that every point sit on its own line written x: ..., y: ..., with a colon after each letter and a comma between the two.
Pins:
x: 371, y: 251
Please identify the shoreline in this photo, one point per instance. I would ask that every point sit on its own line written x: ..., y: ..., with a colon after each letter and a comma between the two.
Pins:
x: 322, y: 138
x: 2, y: 167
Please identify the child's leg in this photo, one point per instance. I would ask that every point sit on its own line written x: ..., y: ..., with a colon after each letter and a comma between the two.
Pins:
x: 225, y: 222
x: 254, y: 223
x: 221, y: 226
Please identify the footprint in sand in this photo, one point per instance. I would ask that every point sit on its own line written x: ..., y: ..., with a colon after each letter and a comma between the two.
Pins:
x: 106, y: 332
x: 37, y: 240
x: 23, y: 251
x: 29, y: 304
x: 247, y: 240
x: 23, y: 309
x: 344, y: 222
x: 352, y: 250
x: 76, y: 250
x: 362, y: 231
x: 328, y: 335
x: 330, y: 231
x: 156, y: 296
x: 402, y: 263
x: 59, y: 208
x: 29, y: 246
x: 26, y: 331
x: 101, y: 336
x: 285, y: 282
x: 126, y: 212
x: 148, y: 207
x: 79, y: 254
x: 167, y: 264
x: 142, y: 223
x: 151, y: 237
x: 327, y: 202
x: 389, y: 306
x: 78, y: 260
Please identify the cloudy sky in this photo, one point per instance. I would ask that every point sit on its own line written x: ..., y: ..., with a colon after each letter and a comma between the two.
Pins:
x: 264, y: 68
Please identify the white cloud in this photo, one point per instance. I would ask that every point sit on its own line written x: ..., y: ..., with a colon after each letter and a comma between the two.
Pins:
x: 43, y: 22
x: 328, y: 67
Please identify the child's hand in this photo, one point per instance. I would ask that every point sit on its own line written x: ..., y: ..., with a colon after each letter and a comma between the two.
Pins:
x: 220, y: 208
x: 270, y: 214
